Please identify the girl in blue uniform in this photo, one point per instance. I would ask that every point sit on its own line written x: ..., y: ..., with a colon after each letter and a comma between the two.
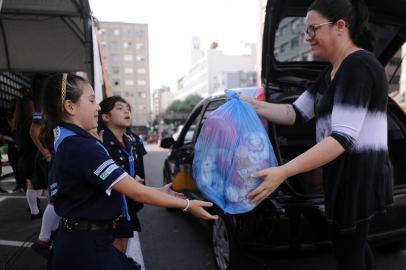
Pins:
x: 83, y: 176
x: 127, y: 150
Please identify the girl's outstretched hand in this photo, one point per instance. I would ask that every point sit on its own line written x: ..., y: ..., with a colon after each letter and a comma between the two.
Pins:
x: 273, y: 177
x: 197, y: 209
x: 168, y: 190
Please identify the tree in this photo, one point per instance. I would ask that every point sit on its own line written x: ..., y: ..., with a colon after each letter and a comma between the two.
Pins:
x: 184, y: 106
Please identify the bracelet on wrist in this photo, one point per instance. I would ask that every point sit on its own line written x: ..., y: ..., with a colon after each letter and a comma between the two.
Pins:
x: 187, y: 206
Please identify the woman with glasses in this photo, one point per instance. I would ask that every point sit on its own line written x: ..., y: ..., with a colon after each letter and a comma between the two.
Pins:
x: 349, y: 102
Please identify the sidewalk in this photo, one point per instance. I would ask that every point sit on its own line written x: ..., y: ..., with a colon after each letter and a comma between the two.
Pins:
x: 18, y: 231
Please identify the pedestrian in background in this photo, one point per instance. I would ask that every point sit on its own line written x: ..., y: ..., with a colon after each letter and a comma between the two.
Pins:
x: 27, y: 151
x: 8, y: 137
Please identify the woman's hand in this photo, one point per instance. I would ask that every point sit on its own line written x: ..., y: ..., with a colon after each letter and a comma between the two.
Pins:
x: 196, y: 209
x: 168, y: 190
x: 273, y: 177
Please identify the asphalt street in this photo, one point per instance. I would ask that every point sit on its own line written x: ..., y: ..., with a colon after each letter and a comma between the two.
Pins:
x: 169, y: 240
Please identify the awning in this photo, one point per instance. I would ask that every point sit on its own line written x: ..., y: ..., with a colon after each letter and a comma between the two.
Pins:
x: 46, y: 36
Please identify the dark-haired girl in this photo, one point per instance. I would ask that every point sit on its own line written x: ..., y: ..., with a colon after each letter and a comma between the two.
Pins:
x: 349, y: 102
x: 127, y: 150
x: 83, y: 176
x: 27, y: 152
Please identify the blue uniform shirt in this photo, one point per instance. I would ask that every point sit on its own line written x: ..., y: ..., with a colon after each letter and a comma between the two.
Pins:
x: 82, y: 176
x: 128, y: 155
x: 120, y: 153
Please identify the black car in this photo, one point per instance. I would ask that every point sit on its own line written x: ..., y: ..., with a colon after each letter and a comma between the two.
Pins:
x: 294, y: 215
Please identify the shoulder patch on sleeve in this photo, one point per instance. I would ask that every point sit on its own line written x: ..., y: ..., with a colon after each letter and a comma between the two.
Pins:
x: 103, y: 166
x: 108, y: 171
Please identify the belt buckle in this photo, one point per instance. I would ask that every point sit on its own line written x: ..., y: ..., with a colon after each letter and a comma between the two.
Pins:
x: 70, y: 223
x: 114, y: 222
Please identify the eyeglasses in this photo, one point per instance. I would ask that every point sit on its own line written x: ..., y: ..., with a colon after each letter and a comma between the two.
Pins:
x: 311, y: 29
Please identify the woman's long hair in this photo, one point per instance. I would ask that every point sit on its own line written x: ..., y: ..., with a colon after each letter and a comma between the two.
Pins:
x: 24, y: 110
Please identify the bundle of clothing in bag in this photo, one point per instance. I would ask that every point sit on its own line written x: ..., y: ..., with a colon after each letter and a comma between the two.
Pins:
x: 232, y: 144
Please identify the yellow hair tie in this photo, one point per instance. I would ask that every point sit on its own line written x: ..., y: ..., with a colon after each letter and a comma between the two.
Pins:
x: 63, y: 90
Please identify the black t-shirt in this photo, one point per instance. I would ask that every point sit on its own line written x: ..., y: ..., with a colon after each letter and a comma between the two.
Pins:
x: 351, y: 108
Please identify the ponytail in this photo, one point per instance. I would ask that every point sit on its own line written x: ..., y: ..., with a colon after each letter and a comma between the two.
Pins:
x: 359, y: 31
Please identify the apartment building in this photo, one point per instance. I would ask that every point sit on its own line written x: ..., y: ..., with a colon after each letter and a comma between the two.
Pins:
x: 161, y: 99
x: 124, y: 47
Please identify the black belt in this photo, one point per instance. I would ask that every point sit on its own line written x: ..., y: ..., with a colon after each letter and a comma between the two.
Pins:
x: 85, y: 225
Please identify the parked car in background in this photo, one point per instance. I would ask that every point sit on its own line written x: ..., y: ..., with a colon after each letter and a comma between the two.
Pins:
x: 293, y: 216
x: 152, y: 137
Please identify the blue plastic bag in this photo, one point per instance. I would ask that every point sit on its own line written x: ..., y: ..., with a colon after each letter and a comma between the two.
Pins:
x: 232, y: 145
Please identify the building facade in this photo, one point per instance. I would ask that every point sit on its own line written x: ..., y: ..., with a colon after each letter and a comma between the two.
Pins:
x: 124, y: 47
x: 213, y: 71
x: 161, y: 99
x: 261, y: 8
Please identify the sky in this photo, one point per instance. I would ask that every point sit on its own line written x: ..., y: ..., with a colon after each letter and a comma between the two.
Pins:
x: 172, y: 24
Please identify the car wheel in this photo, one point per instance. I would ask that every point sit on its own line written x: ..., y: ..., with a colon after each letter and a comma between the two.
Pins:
x: 224, y: 244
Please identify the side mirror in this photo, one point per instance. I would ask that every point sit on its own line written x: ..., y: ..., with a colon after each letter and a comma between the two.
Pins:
x: 167, y: 142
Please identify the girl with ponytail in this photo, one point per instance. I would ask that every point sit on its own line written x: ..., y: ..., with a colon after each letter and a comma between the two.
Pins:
x: 85, y: 182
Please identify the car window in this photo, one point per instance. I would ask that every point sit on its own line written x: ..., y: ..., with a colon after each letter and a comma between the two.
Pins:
x: 290, y: 44
x: 394, y: 70
x: 187, y: 133
x: 212, y: 106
